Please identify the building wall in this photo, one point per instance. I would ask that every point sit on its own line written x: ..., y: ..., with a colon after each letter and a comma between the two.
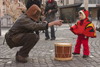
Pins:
x: 92, y: 6
x: 64, y: 2
x: 78, y: 1
x: 71, y: 1
x: 94, y: 12
x: 7, y: 3
x: 4, y: 7
x: 1, y: 8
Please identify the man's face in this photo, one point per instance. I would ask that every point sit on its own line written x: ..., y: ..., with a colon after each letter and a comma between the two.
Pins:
x: 16, y: 0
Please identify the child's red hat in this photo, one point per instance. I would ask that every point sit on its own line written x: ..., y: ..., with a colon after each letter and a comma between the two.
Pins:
x: 85, y: 13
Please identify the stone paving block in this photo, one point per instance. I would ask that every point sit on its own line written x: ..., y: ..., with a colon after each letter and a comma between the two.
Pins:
x: 28, y: 65
x: 86, y: 63
x: 98, y: 52
x: 49, y: 62
x: 35, y: 60
x: 2, y: 64
x: 7, y: 65
x: 58, y: 66
x: 64, y: 64
x: 14, y: 64
x: 50, y: 65
x: 56, y: 63
x: 79, y: 63
x: 20, y: 64
x: 43, y: 65
x: 88, y: 59
x: 94, y: 63
x: 36, y: 65
x: 95, y: 59
x: 72, y: 64
x: 90, y: 66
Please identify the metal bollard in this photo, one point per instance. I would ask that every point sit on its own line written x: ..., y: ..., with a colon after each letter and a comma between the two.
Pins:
x: 0, y: 21
x: 0, y: 26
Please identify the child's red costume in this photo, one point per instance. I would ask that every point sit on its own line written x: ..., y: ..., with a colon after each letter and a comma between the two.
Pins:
x: 84, y: 29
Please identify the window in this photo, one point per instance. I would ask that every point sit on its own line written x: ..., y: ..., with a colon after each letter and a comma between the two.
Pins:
x: 98, y: 1
x: 78, y: 1
x: 67, y: 1
x: 92, y: 1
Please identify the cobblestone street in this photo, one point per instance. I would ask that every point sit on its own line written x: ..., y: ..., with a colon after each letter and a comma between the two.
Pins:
x: 42, y: 55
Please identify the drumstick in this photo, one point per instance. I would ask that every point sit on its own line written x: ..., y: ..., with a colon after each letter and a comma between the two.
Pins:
x: 68, y: 22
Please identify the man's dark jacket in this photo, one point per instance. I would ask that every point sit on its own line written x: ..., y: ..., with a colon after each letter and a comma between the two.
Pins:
x: 54, y: 8
x: 23, y: 25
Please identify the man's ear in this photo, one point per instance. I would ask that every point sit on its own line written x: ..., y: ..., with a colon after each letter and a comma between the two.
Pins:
x: 35, y: 12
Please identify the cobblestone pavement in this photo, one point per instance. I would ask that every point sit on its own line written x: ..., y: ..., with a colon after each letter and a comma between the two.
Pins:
x: 42, y: 55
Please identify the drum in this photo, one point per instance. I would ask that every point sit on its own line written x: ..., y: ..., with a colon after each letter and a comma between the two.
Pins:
x: 63, y: 51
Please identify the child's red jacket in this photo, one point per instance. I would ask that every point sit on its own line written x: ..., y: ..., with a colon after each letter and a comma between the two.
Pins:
x: 86, y: 27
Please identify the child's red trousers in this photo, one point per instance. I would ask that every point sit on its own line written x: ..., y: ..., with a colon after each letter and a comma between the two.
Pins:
x: 82, y: 40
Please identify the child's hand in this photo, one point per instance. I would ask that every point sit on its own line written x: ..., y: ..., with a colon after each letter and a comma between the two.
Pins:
x: 71, y: 28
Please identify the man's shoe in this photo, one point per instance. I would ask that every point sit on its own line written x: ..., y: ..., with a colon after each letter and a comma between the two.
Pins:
x: 75, y: 53
x: 85, y: 56
x: 21, y: 59
x: 25, y: 57
x: 47, y: 38
x: 52, y: 38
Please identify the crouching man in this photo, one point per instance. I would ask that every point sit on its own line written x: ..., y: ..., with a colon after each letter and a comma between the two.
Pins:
x: 20, y: 33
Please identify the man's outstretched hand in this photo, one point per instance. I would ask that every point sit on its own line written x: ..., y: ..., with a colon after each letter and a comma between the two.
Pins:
x: 58, y: 22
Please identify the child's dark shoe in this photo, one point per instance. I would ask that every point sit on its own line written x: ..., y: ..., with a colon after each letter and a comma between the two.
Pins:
x: 75, y: 53
x: 85, y: 56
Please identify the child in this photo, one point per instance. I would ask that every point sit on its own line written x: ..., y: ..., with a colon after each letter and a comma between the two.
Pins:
x: 84, y: 29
